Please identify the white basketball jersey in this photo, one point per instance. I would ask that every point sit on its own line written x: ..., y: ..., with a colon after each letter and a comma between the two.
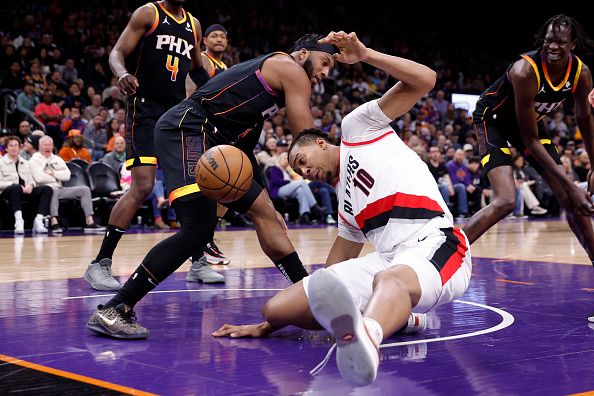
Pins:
x: 385, y: 191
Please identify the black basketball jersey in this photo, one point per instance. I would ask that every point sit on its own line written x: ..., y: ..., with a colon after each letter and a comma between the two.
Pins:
x: 499, y: 97
x: 237, y: 102
x: 162, y: 59
x: 217, y: 66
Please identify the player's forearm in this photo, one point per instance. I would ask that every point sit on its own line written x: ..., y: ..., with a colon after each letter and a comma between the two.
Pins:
x: 586, y: 126
x: 116, y: 63
x: 405, y: 70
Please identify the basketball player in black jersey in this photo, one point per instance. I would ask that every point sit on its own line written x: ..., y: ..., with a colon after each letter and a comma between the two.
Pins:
x: 155, y: 53
x: 229, y: 109
x: 215, y: 42
x: 513, y: 109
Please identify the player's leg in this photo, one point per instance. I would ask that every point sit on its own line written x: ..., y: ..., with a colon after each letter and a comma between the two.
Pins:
x: 272, y: 237
x: 141, y: 159
x: 496, y: 161
x: 116, y: 318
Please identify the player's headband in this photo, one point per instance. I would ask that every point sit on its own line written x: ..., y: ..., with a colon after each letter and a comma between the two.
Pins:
x: 327, y: 48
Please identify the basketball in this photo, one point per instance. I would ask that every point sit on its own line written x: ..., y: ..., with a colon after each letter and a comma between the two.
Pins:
x: 224, y: 173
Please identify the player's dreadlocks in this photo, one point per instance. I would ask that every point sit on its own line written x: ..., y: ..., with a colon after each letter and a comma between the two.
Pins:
x: 578, y: 34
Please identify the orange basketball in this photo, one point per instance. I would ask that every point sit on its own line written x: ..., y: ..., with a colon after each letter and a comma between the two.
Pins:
x: 224, y: 173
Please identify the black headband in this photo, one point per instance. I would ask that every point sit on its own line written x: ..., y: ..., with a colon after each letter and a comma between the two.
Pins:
x: 327, y: 48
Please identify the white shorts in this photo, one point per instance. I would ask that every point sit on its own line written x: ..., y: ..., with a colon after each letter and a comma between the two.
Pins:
x: 441, y: 261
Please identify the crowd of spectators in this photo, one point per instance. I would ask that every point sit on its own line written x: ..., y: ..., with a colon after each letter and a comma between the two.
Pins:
x: 54, y: 61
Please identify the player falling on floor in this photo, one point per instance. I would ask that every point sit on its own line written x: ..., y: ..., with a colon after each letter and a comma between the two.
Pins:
x: 388, y: 197
x: 229, y: 109
x: 156, y: 52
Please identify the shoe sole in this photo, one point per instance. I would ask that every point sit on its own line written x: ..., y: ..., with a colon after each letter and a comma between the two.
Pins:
x: 98, y: 328
x: 213, y: 260
x: 98, y: 286
x: 190, y: 278
x: 333, y: 307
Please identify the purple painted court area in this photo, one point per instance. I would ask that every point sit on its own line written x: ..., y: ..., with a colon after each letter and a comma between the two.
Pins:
x: 548, y: 349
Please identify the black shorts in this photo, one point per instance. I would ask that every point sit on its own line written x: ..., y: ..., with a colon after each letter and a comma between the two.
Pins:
x: 493, y: 137
x: 181, y: 137
x: 141, y: 117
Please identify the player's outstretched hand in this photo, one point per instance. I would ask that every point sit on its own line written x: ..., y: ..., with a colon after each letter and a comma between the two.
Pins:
x: 253, y: 330
x: 127, y: 84
x: 351, y: 49
x: 591, y: 97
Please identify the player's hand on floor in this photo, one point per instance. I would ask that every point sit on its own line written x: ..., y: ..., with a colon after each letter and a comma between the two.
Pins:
x: 253, y: 330
x: 351, y: 49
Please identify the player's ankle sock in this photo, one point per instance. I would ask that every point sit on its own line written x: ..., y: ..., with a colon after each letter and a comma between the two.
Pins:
x: 110, y: 242
x: 291, y: 267
x: 374, y: 329
x: 136, y: 287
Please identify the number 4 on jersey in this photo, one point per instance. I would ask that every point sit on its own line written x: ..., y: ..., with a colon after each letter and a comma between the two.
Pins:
x: 172, y: 65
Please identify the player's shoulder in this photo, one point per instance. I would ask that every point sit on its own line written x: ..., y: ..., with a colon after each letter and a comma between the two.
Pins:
x: 367, y: 117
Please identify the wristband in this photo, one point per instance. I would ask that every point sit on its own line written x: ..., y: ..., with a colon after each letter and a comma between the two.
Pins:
x: 122, y: 75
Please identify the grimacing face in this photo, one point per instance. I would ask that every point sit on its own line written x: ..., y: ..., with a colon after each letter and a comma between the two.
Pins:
x: 313, y: 161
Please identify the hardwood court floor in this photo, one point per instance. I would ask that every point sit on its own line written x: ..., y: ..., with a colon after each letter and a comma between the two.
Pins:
x: 520, y: 328
x: 46, y: 258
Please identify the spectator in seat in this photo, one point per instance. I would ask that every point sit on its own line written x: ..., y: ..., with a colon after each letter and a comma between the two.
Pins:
x: 73, y: 147
x: 460, y: 176
x: 30, y: 146
x: 16, y: 180
x: 50, y: 114
x: 49, y: 169
x: 27, y: 100
x: 117, y: 157
x: 24, y: 129
x: 73, y: 121
x: 96, y: 137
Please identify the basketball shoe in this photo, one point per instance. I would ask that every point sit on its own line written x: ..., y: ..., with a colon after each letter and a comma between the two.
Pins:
x: 357, y: 354
x: 117, y: 322
x: 200, y: 271
x: 100, y: 277
x: 213, y: 254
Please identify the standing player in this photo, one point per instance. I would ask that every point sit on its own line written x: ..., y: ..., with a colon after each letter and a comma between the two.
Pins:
x: 388, y: 197
x: 513, y: 110
x: 159, y: 47
x: 215, y: 42
x: 229, y: 109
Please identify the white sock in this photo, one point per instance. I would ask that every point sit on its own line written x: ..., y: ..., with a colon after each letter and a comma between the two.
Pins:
x: 18, y: 215
x: 375, y: 330
x: 39, y: 217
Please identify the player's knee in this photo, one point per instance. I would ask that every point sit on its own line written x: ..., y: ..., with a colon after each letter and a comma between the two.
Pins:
x: 142, y: 187
x: 386, y: 278
x: 505, y: 203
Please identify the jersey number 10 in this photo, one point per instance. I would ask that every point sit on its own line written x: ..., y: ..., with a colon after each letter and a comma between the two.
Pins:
x: 172, y: 65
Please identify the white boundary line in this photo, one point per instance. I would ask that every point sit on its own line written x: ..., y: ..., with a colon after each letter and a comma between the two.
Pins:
x: 507, y: 320
x: 168, y: 291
